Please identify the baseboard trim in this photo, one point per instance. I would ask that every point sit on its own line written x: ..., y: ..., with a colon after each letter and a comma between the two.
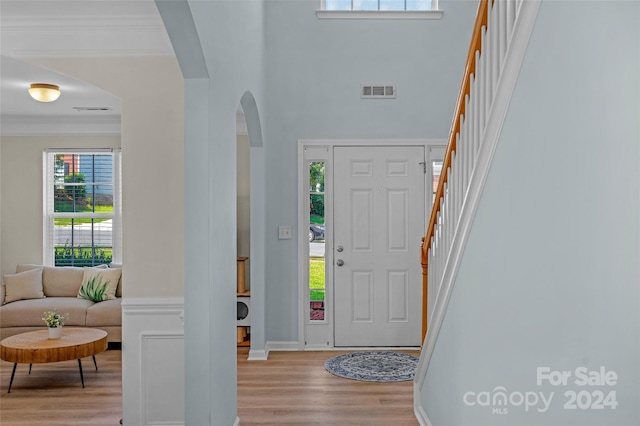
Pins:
x: 258, y: 355
x: 373, y: 348
x: 263, y: 354
x: 281, y: 346
x: 237, y: 422
x: 318, y: 348
x: 422, y: 417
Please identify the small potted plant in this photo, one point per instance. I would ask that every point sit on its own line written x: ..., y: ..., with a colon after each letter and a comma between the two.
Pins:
x: 54, y: 321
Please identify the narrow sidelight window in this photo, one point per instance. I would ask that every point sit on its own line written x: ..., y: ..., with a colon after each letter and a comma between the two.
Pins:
x: 316, y: 242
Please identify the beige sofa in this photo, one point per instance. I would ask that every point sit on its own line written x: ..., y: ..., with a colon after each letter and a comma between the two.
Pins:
x: 60, y: 287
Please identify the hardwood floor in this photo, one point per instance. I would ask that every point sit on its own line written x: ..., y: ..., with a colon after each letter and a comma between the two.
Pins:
x: 291, y: 388
x: 52, y: 394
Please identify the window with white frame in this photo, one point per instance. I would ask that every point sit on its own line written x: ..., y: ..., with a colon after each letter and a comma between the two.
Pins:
x: 380, y: 5
x: 82, y: 207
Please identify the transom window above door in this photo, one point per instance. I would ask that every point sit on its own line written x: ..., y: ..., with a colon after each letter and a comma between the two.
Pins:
x: 379, y: 9
x: 380, y: 5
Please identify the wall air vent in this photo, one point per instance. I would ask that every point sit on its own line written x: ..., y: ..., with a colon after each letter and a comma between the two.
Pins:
x: 378, y: 91
x: 79, y: 109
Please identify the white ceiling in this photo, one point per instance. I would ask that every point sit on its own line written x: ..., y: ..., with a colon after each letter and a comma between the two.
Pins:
x: 55, y: 28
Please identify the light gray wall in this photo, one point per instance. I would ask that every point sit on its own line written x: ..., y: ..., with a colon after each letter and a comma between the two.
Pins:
x: 220, y: 49
x: 305, y: 76
x: 314, y: 71
x: 550, y: 275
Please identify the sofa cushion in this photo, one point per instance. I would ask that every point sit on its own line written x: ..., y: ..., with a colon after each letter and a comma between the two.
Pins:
x: 62, y: 281
x: 99, y: 284
x: 29, y: 313
x: 107, y: 313
x: 24, y: 285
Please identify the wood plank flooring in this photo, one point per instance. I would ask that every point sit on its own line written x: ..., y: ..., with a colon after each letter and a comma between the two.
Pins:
x: 291, y: 388
x: 52, y: 394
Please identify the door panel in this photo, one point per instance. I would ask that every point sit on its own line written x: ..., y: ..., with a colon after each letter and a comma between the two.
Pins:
x: 379, y: 205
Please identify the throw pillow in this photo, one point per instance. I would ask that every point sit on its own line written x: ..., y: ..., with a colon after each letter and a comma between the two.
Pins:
x: 25, y: 285
x: 119, y: 290
x: 99, y: 284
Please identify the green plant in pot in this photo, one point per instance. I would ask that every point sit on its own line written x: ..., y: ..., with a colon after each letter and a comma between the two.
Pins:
x: 54, y: 321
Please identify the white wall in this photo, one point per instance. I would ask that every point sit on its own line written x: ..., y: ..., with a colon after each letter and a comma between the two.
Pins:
x: 21, y: 192
x: 550, y: 274
x: 151, y: 89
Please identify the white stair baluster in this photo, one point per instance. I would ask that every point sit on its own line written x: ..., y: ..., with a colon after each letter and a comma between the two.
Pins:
x: 511, y: 19
x: 495, y: 47
x: 502, y: 30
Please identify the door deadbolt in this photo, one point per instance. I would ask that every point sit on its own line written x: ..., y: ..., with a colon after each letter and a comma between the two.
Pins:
x: 339, y: 262
x: 339, y: 249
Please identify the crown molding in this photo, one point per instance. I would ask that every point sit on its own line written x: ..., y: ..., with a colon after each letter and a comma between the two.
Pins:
x: 82, y: 23
x: 89, y: 53
x: 59, y: 125
x: 69, y: 36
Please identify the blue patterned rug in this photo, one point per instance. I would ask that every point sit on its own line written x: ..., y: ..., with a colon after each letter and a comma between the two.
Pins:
x: 373, y: 366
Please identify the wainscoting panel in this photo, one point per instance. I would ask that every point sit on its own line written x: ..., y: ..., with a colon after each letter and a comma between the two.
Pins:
x: 163, y: 353
x: 153, y: 386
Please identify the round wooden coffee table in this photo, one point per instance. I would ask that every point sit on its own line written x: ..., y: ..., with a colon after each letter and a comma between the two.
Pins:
x: 35, y: 347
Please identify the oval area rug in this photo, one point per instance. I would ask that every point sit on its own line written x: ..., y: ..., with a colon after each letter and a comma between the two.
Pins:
x: 386, y: 366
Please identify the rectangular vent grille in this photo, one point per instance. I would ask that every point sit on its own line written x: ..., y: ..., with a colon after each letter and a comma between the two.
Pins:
x: 92, y: 109
x: 378, y: 91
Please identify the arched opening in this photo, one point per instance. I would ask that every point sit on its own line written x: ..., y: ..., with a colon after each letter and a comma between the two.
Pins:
x: 243, y: 220
x: 250, y: 227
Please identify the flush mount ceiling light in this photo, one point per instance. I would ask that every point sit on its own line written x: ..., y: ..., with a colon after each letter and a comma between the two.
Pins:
x: 44, y: 92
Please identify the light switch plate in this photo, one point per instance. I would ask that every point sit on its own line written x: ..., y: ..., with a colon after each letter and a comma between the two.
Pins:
x: 284, y: 232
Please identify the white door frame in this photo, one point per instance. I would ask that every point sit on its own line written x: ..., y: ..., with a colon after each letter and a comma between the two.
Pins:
x: 318, y: 335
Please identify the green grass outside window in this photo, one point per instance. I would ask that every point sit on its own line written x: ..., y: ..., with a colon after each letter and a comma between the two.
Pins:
x: 316, y: 279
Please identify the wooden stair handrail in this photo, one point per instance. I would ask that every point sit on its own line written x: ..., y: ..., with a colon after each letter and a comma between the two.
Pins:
x: 465, y: 89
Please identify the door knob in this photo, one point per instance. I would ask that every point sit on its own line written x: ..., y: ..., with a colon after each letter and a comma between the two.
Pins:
x: 339, y: 249
x: 339, y: 262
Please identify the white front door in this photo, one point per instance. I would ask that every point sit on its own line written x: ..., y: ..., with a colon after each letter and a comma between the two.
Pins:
x: 379, y: 207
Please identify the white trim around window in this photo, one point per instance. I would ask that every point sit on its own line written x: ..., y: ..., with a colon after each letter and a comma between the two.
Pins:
x: 100, y: 227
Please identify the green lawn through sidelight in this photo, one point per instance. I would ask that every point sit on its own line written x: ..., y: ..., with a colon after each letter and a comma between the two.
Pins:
x: 316, y: 278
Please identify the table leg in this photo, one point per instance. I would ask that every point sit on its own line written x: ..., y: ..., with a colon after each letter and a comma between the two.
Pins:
x: 94, y: 361
x: 81, y: 376
x: 13, y: 373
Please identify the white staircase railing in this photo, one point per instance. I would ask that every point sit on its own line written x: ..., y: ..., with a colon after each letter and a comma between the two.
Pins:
x: 490, y: 43
x: 498, y: 45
